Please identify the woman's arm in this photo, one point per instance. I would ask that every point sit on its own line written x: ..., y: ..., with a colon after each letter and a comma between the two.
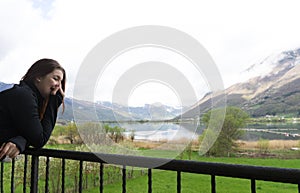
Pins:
x: 26, y: 117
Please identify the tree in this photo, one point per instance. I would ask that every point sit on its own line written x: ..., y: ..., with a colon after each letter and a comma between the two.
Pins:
x: 235, y: 119
x: 115, y: 133
x: 132, y: 134
x: 71, y: 132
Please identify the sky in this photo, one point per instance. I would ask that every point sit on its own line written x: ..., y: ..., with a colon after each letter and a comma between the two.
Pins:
x: 236, y: 34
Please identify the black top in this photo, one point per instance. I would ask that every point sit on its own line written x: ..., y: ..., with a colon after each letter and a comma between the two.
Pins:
x: 19, y: 116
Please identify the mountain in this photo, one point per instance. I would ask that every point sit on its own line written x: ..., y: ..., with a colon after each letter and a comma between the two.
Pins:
x: 4, y: 86
x: 84, y: 110
x: 107, y: 111
x: 275, y: 90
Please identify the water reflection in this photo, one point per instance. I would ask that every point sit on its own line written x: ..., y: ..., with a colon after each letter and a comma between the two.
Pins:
x: 160, y: 131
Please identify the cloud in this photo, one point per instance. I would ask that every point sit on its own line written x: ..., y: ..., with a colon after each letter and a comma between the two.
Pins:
x: 236, y: 33
x: 18, y: 22
x: 45, y: 7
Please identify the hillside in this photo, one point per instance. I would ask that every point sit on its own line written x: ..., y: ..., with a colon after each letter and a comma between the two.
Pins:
x: 272, y: 92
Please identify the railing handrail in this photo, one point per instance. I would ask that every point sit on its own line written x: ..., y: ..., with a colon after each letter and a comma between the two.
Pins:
x: 285, y: 175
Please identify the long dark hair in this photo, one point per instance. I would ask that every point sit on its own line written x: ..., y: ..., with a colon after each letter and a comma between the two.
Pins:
x: 41, y: 68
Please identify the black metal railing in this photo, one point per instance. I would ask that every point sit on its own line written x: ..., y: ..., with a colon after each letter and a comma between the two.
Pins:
x: 252, y: 173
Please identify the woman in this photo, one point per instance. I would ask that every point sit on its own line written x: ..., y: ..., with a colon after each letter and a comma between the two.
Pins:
x: 28, y: 111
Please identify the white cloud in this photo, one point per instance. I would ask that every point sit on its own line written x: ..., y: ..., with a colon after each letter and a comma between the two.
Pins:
x: 236, y: 33
x: 18, y: 22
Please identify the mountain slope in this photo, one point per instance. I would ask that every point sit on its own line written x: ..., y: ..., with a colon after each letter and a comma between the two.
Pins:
x: 275, y: 91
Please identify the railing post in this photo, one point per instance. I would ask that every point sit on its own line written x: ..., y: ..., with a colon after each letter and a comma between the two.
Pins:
x: 34, y: 174
x: 178, y: 181
x: 124, y: 179
x: 12, y: 177
x: 253, y: 186
x: 63, y: 170
x: 47, y: 175
x: 101, y: 178
x: 80, y: 175
x: 25, y: 173
x: 213, y: 184
x: 1, y: 177
x: 149, y: 180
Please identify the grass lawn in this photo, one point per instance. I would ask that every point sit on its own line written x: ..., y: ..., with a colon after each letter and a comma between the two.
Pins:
x: 165, y: 181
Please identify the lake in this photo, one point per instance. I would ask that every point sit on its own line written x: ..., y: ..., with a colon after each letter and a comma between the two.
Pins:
x: 160, y: 131
x: 171, y: 131
x: 272, y: 131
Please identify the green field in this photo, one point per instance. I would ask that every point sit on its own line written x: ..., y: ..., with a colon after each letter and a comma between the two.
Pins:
x: 165, y: 181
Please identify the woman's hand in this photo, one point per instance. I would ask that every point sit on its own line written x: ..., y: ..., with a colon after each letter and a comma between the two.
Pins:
x: 58, y: 89
x: 61, y: 91
x: 9, y: 149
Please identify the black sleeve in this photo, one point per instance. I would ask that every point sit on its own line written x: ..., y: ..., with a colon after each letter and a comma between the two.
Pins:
x: 26, y: 117
x: 20, y: 142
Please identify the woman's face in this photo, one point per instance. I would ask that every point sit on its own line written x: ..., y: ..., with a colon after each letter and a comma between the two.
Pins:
x: 50, y: 84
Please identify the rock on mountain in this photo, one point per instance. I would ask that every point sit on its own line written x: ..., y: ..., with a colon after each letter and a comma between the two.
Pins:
x: 275, y: 90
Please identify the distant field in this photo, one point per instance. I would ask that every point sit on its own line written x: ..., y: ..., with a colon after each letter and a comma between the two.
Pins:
x: 272, y: 144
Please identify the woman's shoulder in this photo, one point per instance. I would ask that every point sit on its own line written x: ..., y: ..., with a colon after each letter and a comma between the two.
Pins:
x: 18, y: 90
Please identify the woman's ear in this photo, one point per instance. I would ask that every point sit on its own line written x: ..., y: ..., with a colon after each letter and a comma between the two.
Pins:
x: 38, y: 79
